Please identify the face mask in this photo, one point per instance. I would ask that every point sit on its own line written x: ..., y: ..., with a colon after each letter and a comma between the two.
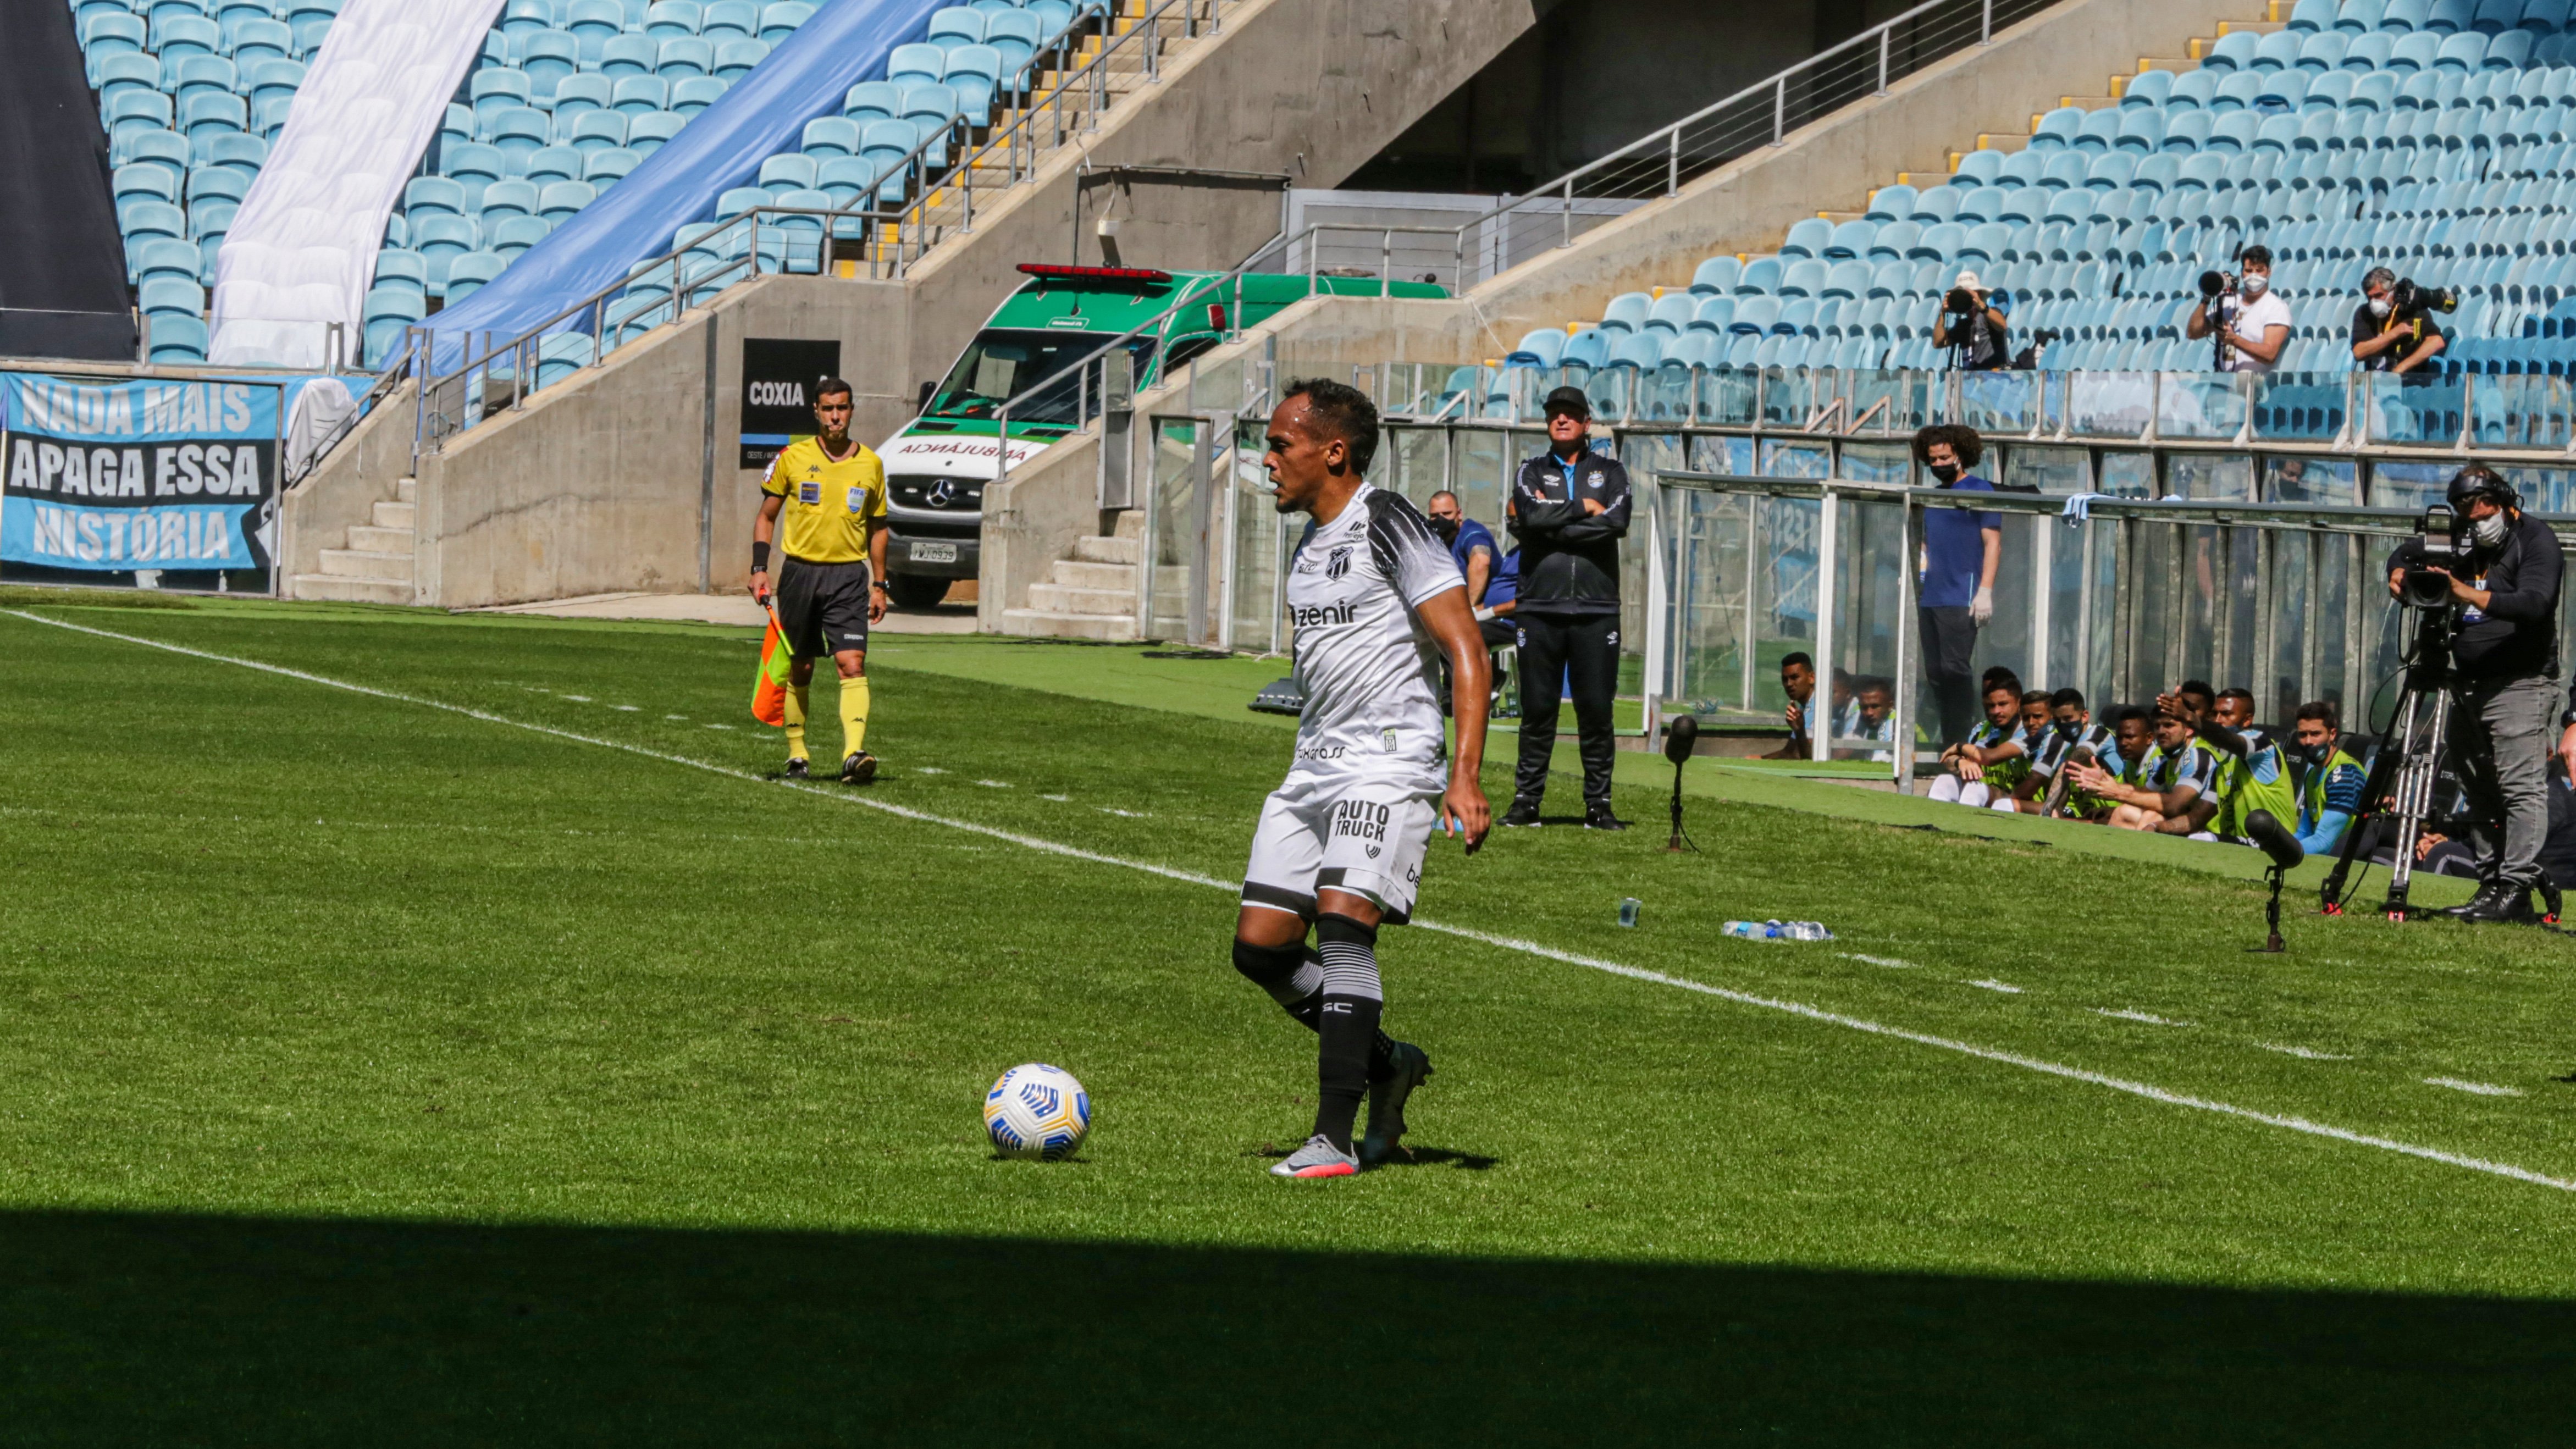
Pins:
x: 2256, y: 283
x: 2379, y: 306
x: 1948, y: 473
x: 1447, y: 528
x: 2487, y: 532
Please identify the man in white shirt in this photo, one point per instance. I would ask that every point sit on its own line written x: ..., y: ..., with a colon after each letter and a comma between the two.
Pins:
x: 2257, y: 322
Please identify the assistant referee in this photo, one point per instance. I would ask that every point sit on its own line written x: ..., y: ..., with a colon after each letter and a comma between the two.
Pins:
x: 831, y: 586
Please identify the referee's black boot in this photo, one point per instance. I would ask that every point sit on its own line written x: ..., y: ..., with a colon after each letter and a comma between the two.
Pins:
x: 1597, y: 816
x: 1524, y: 811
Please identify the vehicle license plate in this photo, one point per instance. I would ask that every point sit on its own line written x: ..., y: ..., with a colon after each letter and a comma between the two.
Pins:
x: 934, y: 553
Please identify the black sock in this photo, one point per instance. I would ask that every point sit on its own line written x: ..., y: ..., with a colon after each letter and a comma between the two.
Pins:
x: 1350, y: 1007
x: 1309, y: 1009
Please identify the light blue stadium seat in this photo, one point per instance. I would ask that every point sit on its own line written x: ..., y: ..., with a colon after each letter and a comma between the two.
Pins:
x: 2276, y: 51
x: 2367, y: 53
x: 683, y: 56
x: 730, y: 19
x: 560, y: 199
x: 1799, y: 277
x: 519, y: 17
x: 1015, y: 35
x: 670, y: 19
x: 2233, y: 51
x: 608, y: 165
x: 788, y: 171
x: 548, y: 56
x: 595, y: 130
x: 167, y: 257
x: 551, y: 163
x: 1980, y: 205
x: 2450, y: 17
x: 737, y: 200
x: 974, y: 75
x: 474, y: 166
x: 637, y: 94
x: 1758, y: 277
x: 2141, y: 131
x: 872, y: 101
x: 217, y: 183
x: 467, y: 273
x: 1714, y: 315
x: 2372, y: 91
x: 800, y: 234
x: 440, y: 240
x: 402, y: 266
x: 273, y: 80
x: 139, y: 110
x: 1716, y: 275
x: 178, y: 338
x: 2056, y: 130
x: 194, y: 75
x: 830, y: 136
x: 2464, y: 51
x: 575, y: 94
x: 144, y: 180
x: 517, y: 130
x: 2232, y: 133
x: 1848, y: 280
x: 916, y: 64
x: 738, y: 57
x: 1892, y: 203
x: 2064, y: 170
x: 956, y: 25
x: 1978, y: 168
x: 780, y: 19
x: 111, y: 32
x: 848, y: 180
x: 203, y: 112
x: 2415, y: 50
x: 1892, y: 241
x: 2511, y: 51
x: 692, y: 94
x: 493, y: 91
x: 516, y: 234
x: 185, y: 33
x: 2311, y: 16
x: 513, y: 196
x: 592, y: 23
x: 1849, y: 239
x: 629, y: 54
x: 645, y: 133
x: 2323, y: 51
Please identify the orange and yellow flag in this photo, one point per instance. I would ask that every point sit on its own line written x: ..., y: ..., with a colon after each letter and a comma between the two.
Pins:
x: 769, y: 691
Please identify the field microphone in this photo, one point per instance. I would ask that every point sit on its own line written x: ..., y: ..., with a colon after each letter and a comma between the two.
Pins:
x: 2285, y: 852
x: 2269, y: 836
x: 1679, y: 737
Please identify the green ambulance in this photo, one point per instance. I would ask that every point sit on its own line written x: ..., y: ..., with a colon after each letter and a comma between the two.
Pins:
x: 937, y: 464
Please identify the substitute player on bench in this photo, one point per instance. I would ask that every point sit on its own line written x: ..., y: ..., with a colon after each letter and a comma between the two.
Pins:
x: 831, y: 587
x: 1376, y: 600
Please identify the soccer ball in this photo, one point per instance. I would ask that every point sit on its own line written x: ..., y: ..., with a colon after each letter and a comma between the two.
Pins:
x: 1035, y: 1110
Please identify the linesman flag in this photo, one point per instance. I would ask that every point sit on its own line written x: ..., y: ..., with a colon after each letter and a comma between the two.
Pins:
x: 769, y: 691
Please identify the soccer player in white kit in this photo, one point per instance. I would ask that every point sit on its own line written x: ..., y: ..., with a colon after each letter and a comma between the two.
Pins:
x: 1375, y: 599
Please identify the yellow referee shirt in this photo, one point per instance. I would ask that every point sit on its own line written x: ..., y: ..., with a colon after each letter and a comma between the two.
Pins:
x: 829, y: 504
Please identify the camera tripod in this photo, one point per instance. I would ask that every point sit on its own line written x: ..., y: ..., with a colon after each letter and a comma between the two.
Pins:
x: 2405, y: 771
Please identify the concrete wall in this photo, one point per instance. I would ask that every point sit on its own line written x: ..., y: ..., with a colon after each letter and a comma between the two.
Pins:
x: 343, y: 491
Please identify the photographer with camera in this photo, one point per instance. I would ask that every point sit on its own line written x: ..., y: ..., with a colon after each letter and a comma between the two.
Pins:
x: 2500, y: 588
x: 2251, y: 324
x: 1971, y: 325
x: 2392, y: 329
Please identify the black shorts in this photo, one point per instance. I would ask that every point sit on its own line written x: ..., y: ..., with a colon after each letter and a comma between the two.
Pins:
x: 822, y: 607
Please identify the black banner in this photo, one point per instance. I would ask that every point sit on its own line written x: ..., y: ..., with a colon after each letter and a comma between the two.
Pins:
x: 778, y: 378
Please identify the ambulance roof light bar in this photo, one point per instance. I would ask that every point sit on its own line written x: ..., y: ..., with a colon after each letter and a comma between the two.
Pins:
x: 1050, y: 272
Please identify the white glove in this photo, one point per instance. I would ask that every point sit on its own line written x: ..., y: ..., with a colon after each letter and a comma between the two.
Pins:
x: 1483, y: 613
x: 1981, y: 609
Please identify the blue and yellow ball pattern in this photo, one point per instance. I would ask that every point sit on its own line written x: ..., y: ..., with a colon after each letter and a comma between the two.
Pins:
x: 1035, y: 1110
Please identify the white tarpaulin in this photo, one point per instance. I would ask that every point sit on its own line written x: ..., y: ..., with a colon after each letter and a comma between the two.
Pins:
x: 302, y: 249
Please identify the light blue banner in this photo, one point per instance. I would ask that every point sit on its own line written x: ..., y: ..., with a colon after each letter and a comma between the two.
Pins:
x: 75, y: 536
x: 154, y: 475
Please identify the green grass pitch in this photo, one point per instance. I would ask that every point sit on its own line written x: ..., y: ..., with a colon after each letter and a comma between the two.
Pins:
x: 536, y: 1070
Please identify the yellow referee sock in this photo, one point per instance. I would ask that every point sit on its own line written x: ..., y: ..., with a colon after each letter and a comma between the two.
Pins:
x: 796, y: 721
x: 854, y: 715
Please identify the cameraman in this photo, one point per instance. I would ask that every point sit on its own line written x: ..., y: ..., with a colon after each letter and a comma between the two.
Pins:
x: 2257, y: 323
x: 2504, y: 655
x: 1971, y: 325
x: 2393, y: 332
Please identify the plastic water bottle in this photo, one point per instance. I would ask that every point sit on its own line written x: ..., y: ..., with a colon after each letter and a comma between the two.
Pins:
x: 1775, y: 930
x: 1628, y: 908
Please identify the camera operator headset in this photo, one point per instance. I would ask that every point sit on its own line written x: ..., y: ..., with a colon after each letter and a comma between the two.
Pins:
x: 2393, y: 329
x: 1971, y: 325
x: 2504, y: 652
x: 2251, y: 324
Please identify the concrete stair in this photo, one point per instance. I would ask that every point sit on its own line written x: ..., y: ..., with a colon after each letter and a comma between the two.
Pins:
x: 1091, y: 595
x: 375, y: 567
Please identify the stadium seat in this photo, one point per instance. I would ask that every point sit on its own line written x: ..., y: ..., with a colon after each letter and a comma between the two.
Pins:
x: 1015, y: 36
x: 1807, y: 237
x: 560, y: 199
x: 789, y: 170
x: 178, y: 337
x: 550, y: 163
x: 830, y: 136
x: 628, y: 55
x: 547, y: 57
x: 493, y: 91
x: 470, y: 271
x: 217, y: 183
x: 973, y: 75
x: 737, y: 58
x: 637, y: 94
x: 956, y: 25
x: 581, y: 92
x: 592, y: 24
x: 203, y: 113
x: 670, y: 19
x: 848, y: 180
x: 516, y: 234
x: 692, y: 94
x: 1715, y: 276
x: 645, y: 133
x: 780, y: 19
x: 608, y: 164
x: 886, y: 145
x: 916, y: 64
x: 872, y: 101
x: 683, y: 56
x: 595, y: 130
x: 730, y: 19
x: 505, y: 199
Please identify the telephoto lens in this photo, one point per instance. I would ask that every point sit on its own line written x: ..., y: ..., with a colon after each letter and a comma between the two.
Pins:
x: 2212, y: 283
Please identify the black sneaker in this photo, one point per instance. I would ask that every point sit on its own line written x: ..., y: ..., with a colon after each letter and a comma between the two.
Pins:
x: 1523, y: 812
x: 859, y: 769
x: 2500, y: 905
x: 1597, y: 816
x: 797, y: 769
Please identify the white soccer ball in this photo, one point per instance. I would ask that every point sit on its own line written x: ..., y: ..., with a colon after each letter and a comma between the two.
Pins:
x: 1035, y: 1110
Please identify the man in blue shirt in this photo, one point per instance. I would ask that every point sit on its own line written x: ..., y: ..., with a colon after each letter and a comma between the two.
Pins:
x: 1956, y: 590
x: 1492, y: 584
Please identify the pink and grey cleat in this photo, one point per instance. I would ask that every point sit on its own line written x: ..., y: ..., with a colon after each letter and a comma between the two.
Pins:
x: 1318, y: 1158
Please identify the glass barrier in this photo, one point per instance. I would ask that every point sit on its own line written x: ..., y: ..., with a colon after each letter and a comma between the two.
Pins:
x: 2199, y: 405
x: 2412, y: 408
x: 2304, y: 407
x: 2001, y: 402
x: 1791, y: 395
x: 1727, y: 397
x: 2529, y: 411
x: 1262, y: 537
x: 2109, y: 404
x: 1174, y: 529
x: 1885, y: 401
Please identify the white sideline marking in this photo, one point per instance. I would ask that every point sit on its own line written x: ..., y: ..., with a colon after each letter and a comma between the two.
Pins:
x: 932, y: 770
x: 994, y: 784
x: 2303, y: 1053
x: 681, y: 717
x: 575, y: 698
x: 1506, y: 943
x: 712, y: 727
x: 1888, y: 961
x: 1125, y: 815
x: 2483, y: 1089
x: 1059, y: 799
x: 1997, y: 986
x: 2149, y: 1017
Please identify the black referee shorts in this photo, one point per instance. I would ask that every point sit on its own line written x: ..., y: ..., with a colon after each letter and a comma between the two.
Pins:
x: 822, y: 607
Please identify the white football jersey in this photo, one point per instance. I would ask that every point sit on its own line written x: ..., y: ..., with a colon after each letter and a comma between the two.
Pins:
x: 1369, y: 671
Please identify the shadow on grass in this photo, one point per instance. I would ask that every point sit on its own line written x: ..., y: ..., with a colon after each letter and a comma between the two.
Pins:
x: 135, y: 1329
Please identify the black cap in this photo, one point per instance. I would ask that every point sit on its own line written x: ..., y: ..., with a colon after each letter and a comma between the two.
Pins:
x: 2477, y: 481
x: 1569, y: 400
